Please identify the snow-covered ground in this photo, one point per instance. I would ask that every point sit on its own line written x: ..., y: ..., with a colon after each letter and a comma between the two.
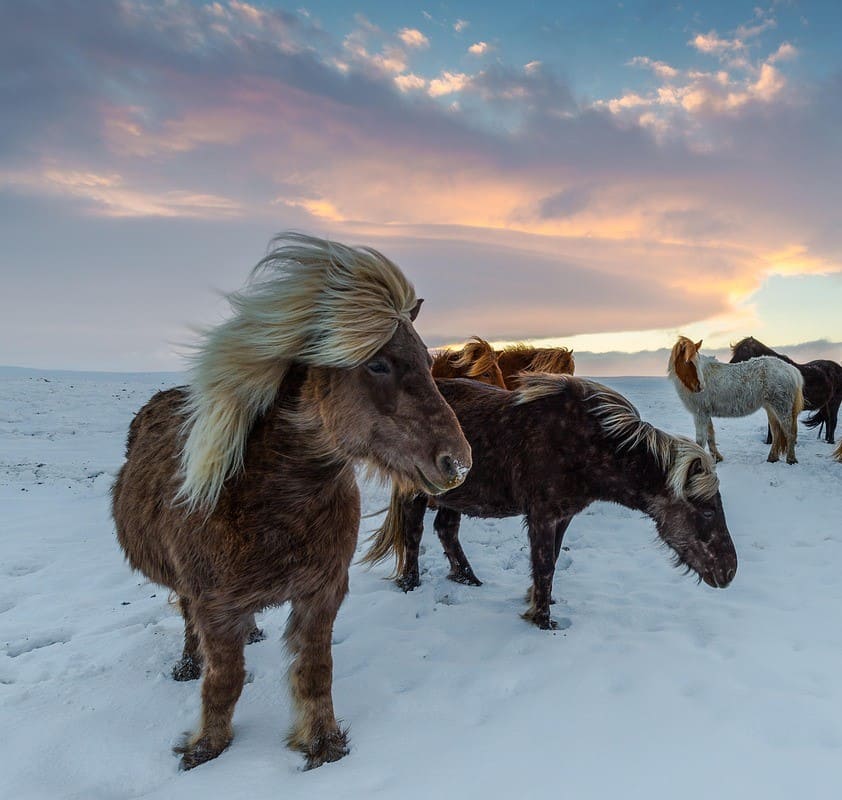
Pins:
x: 654, y: 687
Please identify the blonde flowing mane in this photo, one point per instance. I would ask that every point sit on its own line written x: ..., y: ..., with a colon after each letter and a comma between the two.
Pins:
x: 621, y: 421
x: 310, y: 301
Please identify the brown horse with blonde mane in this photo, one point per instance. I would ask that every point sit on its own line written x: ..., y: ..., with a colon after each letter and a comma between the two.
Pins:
x: 520, y: 357
x: 477, y: 360
x: 547, y: 451
x: 239, y: 491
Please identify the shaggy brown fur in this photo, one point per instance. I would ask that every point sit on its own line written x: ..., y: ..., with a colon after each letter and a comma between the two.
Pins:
x: 547, y: 452
x: 477, y: 360
x: 519, y: 358
x: 284, y: 526
x: 838, y: 454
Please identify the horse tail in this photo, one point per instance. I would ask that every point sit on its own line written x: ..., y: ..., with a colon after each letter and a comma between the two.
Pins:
x: 816, y: 419
x: 798, y: 405
x: 838, y: 454
x: 389, y: 538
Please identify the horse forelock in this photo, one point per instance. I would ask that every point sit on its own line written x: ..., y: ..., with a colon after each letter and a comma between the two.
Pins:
x: 311, y: 301
x: 703, y: 483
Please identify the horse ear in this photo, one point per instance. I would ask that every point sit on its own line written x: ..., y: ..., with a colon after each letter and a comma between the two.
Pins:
x: 414, y: 313
x: 698, y: 345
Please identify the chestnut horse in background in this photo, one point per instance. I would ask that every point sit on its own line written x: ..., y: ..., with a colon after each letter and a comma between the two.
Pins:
x: 822, y: 385
x: 519, y: 358
x: 476, y: 360
x: 239, y: 491
x: 547, y: 451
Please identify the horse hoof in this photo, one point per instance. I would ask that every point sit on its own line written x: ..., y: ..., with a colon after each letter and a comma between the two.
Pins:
x: 792, y: 461
x: 324, y: 749
x: 718, y: 457
x: 464, y: 576
x: 200, y: 751
x: 408, y: 582
x: 255, y: 635
x: 541, y: 619
x: 773, y: 459
x: 188, y: 669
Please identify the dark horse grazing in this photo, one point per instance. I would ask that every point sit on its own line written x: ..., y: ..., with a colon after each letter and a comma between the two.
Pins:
x: 822, y: 385
x: 239, y: 492
x: 477, y: 359
x: 524, y: 358
x: 548, y: 451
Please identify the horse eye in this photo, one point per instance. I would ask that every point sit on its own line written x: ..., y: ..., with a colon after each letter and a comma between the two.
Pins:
x: 708, y: 513
x: 378, y: 367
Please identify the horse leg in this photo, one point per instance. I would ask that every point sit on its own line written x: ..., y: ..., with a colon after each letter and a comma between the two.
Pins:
x: 778, y: 437
x: 413, y: 530
x: 768, y: 433
x: 560, y: 530
x: 832, y: 415
x: 315, y: 731
x: 542, y: 540
x: 793, y: 436
x: 712, y: 441
x: 189, y: 667
x: 253, y: 633
x: 701, y: 424
x: 446, y: 524
x: 222, y: 641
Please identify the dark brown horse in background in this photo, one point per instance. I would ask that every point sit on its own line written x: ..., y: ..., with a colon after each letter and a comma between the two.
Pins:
x: 822, y: 385
x: 548, y: 451
x: 477, y: 360
x: 519, y: 358
x: 239, y: 491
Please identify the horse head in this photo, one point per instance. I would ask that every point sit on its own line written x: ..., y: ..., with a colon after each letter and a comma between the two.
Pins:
x: 684, y: 363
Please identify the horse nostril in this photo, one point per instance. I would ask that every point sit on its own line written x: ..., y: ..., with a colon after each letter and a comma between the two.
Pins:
x: 452, y: 469
x: 447, y: 465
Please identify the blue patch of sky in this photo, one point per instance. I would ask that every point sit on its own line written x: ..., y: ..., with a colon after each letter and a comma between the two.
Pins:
x: 590, y: 44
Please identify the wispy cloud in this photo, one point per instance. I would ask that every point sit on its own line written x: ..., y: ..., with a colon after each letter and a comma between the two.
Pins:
x: 412, y: 37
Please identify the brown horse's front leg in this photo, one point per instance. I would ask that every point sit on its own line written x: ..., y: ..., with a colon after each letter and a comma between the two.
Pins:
x: 189, y: 666
x: 542, y: 543
x: 446, y: 524
x: 315, y: 731
x: 222, y: 644
x: 413, y: 530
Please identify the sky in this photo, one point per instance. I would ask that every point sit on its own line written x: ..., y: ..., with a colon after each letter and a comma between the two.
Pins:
x: 602, y: 175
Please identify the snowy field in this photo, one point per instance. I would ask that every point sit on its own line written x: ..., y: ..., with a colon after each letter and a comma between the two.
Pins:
x: 654, y: 686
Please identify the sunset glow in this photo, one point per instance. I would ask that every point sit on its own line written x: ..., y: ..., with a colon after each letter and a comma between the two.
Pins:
x: 598, y: 176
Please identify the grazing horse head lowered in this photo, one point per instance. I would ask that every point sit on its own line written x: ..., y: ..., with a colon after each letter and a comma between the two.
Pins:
x: 239, y: 490
x: 549, y: 450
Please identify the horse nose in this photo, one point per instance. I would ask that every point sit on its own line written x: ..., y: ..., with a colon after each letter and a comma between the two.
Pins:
x: 731, y: 572
x: 452, y: 469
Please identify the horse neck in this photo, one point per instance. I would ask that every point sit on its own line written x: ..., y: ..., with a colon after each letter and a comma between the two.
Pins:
x: 634, y: 481
x: 296, y: 433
